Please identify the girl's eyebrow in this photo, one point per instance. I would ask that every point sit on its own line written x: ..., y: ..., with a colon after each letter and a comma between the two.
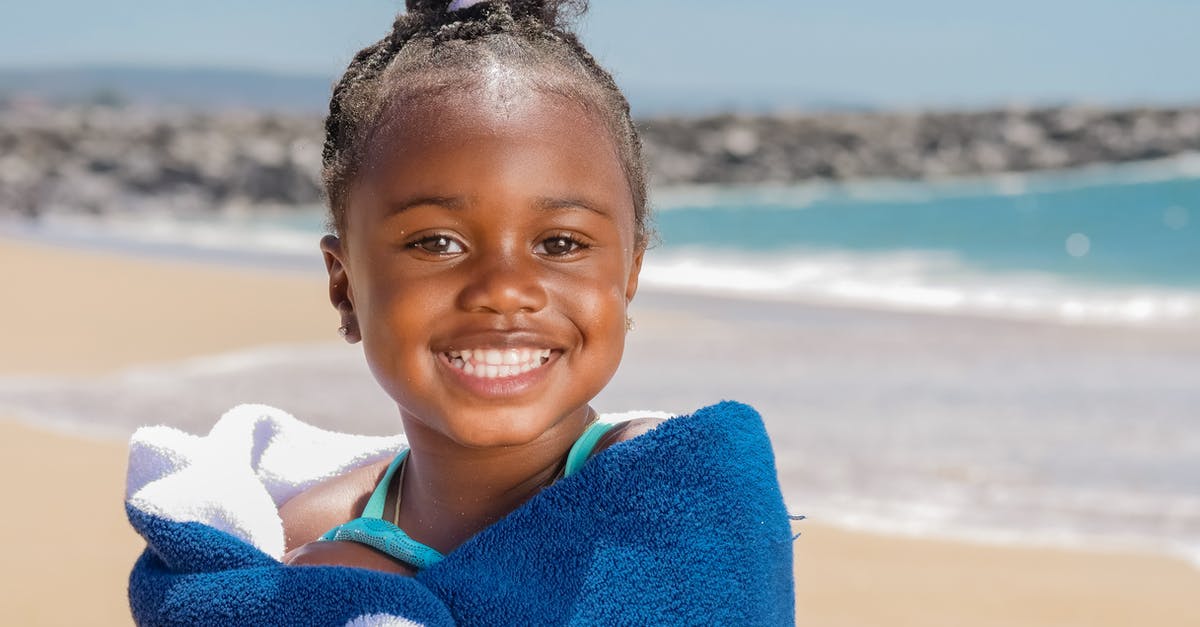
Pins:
x: 456, y: 203
x: 449, y: 202
x: 547, y: 203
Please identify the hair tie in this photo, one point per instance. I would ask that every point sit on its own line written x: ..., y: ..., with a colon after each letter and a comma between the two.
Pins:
x: 462, y: 4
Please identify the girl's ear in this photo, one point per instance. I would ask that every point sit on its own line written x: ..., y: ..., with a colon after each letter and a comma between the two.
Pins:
x: 632, y: 284
x: 341, y: 296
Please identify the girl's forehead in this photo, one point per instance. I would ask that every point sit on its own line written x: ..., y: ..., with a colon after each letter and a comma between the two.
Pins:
x: 526, y: 142
x: 456, y: 118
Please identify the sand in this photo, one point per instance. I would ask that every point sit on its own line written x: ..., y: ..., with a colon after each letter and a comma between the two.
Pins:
x: 77, y: 312
x: 67, y: 546
x: 89, y: 313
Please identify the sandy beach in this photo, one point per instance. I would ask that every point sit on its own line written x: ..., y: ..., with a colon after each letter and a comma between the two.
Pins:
x: 86, y: 315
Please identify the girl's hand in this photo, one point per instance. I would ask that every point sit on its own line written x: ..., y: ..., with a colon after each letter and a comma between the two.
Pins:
x: 338, y: 553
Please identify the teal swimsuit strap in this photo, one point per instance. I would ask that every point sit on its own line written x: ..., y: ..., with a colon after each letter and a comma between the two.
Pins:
x: 582, y: 450
x: 374, y: 508
x: 372, y: 530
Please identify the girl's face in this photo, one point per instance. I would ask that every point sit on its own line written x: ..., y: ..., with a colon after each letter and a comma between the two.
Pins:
x: 489, y: 256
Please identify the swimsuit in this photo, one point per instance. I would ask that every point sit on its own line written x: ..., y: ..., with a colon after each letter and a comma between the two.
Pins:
x: 372, y: 530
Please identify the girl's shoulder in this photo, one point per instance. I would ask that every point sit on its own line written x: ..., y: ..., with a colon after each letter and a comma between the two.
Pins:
x: 329, y: 503
x: 628, y: 429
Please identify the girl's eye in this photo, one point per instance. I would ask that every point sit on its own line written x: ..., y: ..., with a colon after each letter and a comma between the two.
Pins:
x: 558, y: 246
x: 438, y: 245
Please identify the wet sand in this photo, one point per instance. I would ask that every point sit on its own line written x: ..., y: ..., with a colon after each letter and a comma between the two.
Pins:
x: 87, y: 314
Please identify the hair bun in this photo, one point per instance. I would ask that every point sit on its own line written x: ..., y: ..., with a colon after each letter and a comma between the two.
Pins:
x: 550, y: 12
x: 426, y: 6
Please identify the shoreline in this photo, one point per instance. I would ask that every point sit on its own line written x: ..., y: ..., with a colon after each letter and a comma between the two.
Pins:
x: 124, y: 311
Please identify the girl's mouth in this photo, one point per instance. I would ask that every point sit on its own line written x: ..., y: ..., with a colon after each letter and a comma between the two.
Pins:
x: 497, y: 363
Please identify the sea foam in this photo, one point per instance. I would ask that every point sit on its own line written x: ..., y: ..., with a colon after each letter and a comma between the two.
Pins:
x: 917, y: 281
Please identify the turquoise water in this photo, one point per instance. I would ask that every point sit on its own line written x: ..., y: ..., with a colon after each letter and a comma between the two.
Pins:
x: 1103, y: 245
x: 1124, y: 233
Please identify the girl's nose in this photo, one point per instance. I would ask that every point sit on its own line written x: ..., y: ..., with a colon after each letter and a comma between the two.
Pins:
x: 503, y: 284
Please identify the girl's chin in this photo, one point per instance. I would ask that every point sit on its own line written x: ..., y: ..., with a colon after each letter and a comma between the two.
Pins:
x: 475, y: 438
x: 495, y: 427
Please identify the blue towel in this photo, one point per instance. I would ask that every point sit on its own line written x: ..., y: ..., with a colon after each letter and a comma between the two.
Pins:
x: 684, y: 525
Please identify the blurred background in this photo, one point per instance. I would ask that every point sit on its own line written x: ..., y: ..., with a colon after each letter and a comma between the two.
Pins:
x: 951, y: 251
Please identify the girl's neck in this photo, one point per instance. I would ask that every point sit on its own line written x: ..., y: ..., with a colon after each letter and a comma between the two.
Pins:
x: 451, y: 492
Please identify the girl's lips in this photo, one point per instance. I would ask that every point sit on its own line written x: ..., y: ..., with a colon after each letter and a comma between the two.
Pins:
x: 495, y: 372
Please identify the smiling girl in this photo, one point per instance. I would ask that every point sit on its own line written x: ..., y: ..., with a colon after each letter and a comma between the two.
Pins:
x: 489, y: 201
x: 488, y: 198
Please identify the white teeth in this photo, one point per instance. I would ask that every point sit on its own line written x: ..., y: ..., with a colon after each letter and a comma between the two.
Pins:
x: 493, y: 363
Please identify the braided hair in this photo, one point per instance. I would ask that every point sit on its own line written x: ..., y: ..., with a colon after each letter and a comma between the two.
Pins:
x: 432, y: 48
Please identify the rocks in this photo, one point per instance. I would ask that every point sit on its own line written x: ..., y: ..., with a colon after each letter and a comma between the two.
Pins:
x: 104, y: 159
x: 96, y: 159
x: 789, y: 148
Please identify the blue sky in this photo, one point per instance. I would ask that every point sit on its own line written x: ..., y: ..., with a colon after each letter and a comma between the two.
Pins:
x: 877, y: 52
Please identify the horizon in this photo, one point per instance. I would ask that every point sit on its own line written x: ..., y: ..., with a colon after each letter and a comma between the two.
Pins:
x: 755, y: 55
x: 646, y: 100
x: 258, y: 88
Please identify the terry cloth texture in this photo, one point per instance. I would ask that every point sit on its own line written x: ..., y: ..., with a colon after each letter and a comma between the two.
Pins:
x: 684, y: 525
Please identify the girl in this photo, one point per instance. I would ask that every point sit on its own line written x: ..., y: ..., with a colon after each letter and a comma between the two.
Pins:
x: 489, y: 203
x: 489, y: 200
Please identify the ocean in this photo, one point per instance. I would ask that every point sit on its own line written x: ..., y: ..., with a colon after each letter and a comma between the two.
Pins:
x: 1011, y: 359
x: 1103, y: 245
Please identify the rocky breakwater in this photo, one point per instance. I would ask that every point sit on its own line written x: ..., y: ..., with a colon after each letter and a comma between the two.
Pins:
x: 788, y: 148
x: 101, y: 160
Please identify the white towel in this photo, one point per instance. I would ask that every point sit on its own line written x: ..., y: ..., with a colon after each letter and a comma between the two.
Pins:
x: 234, y: 479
